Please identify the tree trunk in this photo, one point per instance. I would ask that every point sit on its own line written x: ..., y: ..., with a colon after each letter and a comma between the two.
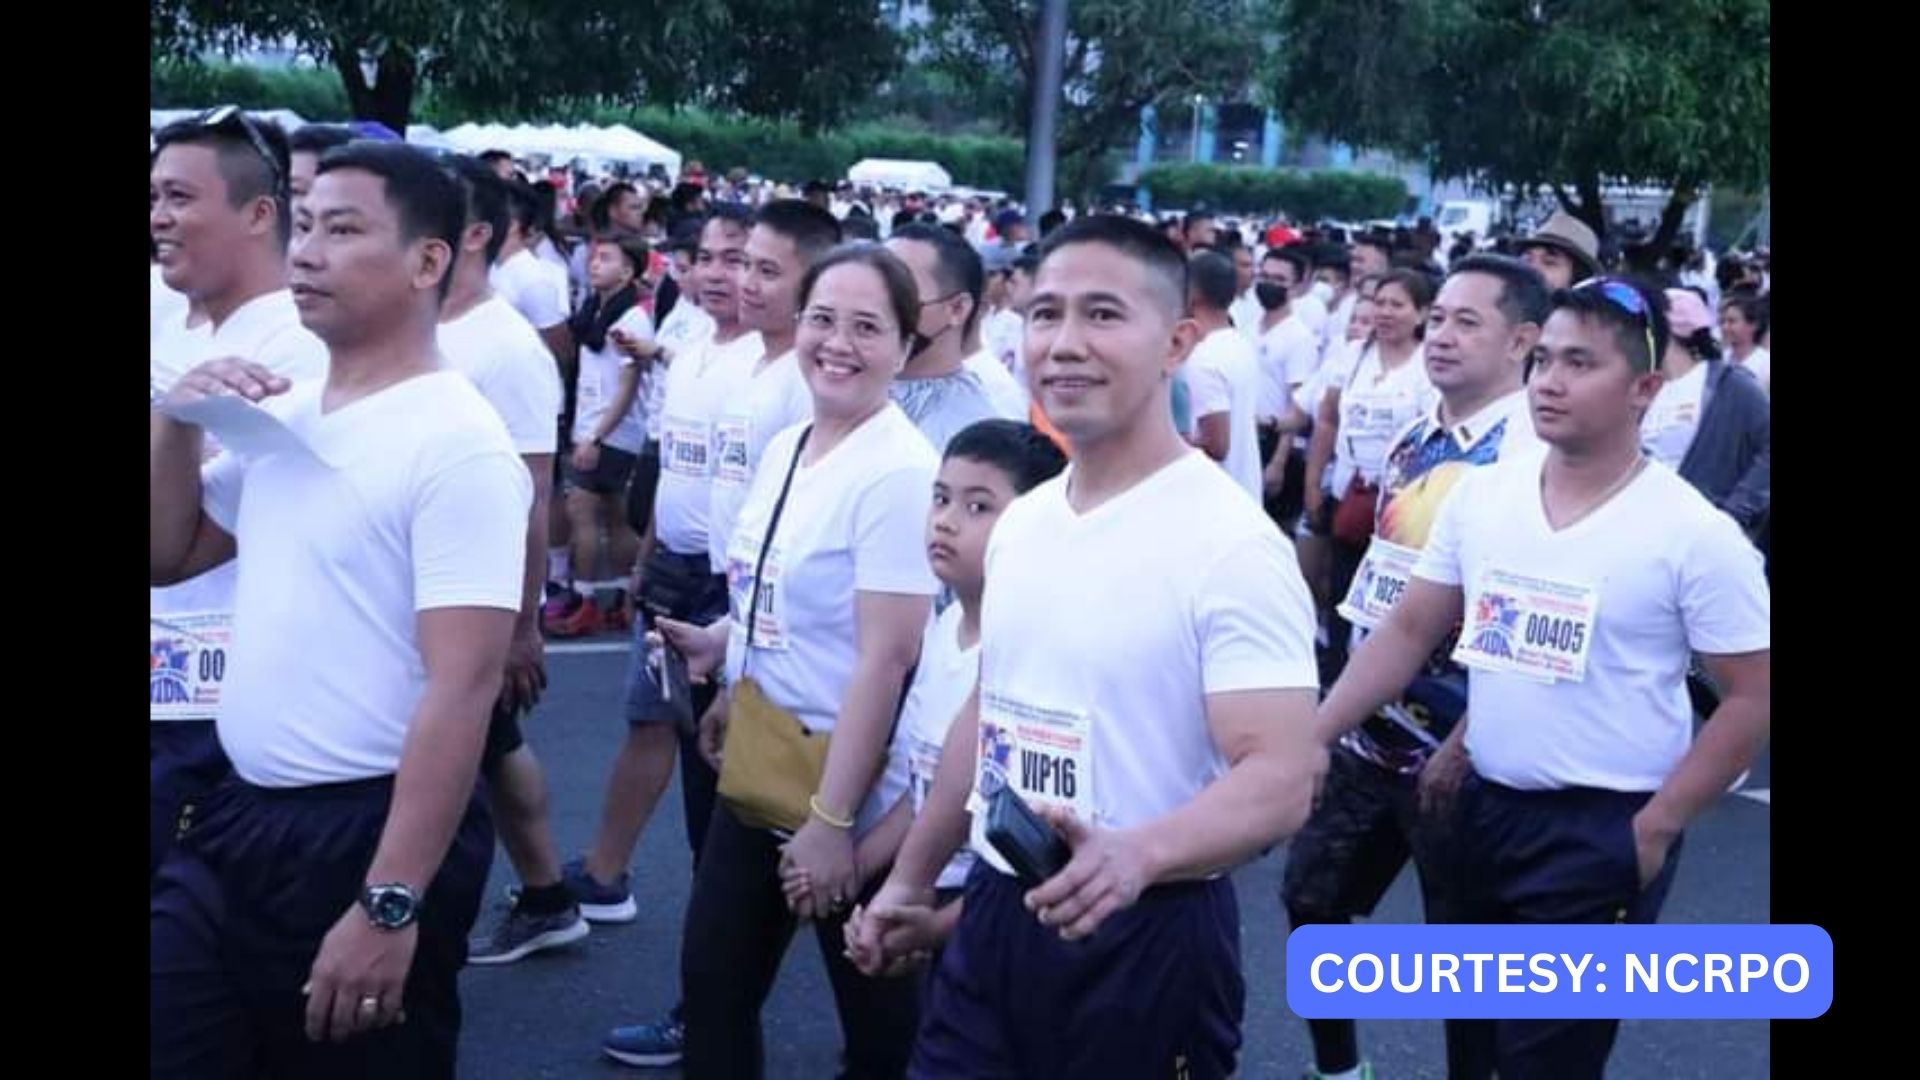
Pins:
x: 389, y: 100
x: 1671, y: 216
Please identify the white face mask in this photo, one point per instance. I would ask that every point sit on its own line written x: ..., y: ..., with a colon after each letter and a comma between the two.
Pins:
x: 1322, y: 292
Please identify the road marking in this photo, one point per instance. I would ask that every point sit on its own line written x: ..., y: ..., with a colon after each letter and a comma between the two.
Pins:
x: 574, y: 648
x: 1759, y: 795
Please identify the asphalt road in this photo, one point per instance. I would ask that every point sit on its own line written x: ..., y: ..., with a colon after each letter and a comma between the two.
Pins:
x: 545, y: 1016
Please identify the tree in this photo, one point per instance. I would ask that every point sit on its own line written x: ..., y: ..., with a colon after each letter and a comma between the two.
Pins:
x: 1121, y: 56
x: 1563, y: 95
x: 804, y: 60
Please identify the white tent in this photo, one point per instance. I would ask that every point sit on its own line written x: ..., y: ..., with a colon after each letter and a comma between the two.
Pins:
x: 618, y: 143
x: 425, y: 136
x: 910, y: 175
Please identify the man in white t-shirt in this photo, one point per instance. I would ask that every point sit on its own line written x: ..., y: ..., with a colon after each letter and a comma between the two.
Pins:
x: 524, y: 281
x: 1245, y: 311
x: 305, y: 148
x: 770, y: 394
x: 677, y: 580
x: 1588, y: 578
x: 1333, y: 282
x: 313, y: 920
x: 219, y: 219
x: 1223, y: 374
x: 1368, y: 821
x: 937, y: 391
x: 484, y: 338
x: 1149, y: 683
x: 1289, y: 355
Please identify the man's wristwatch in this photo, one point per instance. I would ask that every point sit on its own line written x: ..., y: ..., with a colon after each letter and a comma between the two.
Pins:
x: 392, y: 906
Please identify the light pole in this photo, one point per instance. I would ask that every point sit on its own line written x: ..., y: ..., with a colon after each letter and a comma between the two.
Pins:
x: 1193, y: 154
x: 1046, y: 107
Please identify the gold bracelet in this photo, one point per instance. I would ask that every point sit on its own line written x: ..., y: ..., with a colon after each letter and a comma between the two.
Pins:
x: 813, y: 803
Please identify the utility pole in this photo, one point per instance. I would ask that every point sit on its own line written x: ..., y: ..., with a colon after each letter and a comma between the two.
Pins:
x: 1046, y: 107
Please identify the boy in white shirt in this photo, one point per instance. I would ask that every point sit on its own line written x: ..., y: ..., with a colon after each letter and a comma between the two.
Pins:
x: 1587, y: 578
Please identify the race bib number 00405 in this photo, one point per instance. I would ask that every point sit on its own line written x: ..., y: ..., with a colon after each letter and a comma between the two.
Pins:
x: 1534, y: 627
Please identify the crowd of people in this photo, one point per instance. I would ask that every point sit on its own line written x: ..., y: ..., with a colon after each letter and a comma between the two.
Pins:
x: 1188, y: 540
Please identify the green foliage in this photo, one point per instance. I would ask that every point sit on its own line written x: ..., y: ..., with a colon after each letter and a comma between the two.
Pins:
x: 1555, y: 93
x: 314, y: 93
x: 780, y: 150
x: 1305, y: 196
x: 804, y: 60
x: 1121, y: 55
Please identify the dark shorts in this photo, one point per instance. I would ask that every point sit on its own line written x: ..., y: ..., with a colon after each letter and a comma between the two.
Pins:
x: 184, y: 764
x: 503, y: 738
x: 1285, y: 508
x: 237, y: 916
x: 682, y: 587
x: 1156, y: 991
x: 609, y: 475
x: 1362, y: 832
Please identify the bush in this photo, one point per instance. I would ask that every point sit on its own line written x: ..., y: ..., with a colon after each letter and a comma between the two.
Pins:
x: 314, y: 93
x: 1305, y: 196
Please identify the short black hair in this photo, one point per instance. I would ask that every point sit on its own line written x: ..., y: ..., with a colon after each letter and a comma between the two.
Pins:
x: 246, y: 173
x: 859, y: 226
x: 813, y: 231
x: 1052, y: 220
x: 956, y: 266
x: 1294, y: 257
x: 1590, y: 302
x: 902, y: 294
x: 632, y: 245
x: 1024, y: 263
x: 1382, y: 244
x: 1755, y: 308
x: 1524, y: 295
x: 1187, y: 223
x: 1027, y: 457
x: 1333, y: 257
x: 1144, y: 244
x: 491, y: 157
x: 601, y: 214
x: 427, y: 199
x: 1212, y: 280
x: 486, y: 201
x: 522, y: 204
x: 318, y: 138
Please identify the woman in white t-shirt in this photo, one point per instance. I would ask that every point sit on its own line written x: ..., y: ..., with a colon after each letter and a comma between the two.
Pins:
x: 1744, y: 321
x: 1387, y: 390
x: 838, y: 590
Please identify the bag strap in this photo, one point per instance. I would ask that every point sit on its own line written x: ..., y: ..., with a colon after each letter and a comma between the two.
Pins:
x: 766, y: 544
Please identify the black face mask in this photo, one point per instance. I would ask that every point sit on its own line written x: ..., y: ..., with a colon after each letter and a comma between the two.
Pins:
x: 1272, y: 297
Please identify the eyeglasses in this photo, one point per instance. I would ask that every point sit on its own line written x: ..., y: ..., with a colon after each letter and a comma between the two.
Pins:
x: 1630, y: 300
x: 230, y: 116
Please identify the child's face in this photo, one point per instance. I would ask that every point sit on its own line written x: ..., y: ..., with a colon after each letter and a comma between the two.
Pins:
x: 968, y: 497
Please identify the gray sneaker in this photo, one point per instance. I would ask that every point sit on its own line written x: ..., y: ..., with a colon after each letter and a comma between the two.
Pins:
x: 521, y: 935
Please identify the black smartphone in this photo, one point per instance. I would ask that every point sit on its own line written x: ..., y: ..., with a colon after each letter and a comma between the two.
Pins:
x: 1034, y: 849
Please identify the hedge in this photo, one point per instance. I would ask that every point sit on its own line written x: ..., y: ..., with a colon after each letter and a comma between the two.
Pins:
x: 776, y: 150
x: 1305, y: 196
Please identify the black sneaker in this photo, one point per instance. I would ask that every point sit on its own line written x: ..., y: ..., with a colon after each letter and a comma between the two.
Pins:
x: 522, y: 934
x: 599, y: 903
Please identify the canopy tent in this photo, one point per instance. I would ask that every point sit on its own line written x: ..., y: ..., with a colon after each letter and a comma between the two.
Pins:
x: 907, y: 175
x: 618, y: 143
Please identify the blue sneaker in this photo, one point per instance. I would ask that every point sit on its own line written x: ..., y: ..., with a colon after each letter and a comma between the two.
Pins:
x: 599, y: 903
x: 649, y: 1046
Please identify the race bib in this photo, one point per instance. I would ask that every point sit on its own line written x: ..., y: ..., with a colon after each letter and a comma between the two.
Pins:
x: 1380, y: 582
x: 1534, y: 627
x: 1045, y: 754
x: 732, y: 435
x: 187, y: 662
x: 769, y: 630
x: 923, y: 761
x: 684, y: 448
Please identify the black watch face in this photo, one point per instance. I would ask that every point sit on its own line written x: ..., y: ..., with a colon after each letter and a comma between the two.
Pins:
x: 392, y: 908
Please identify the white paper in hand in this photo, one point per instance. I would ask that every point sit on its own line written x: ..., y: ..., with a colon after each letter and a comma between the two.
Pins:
x: 241, y: 426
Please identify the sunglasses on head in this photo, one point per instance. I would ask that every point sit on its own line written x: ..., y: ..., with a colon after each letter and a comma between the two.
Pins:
x: 230, y: 117
x: 1630, y: 300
